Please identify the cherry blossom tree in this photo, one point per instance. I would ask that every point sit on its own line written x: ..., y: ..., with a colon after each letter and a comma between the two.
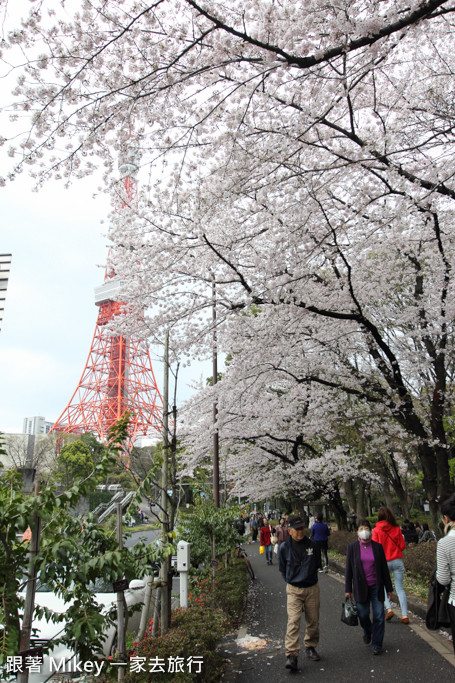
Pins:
x: 300, y: 158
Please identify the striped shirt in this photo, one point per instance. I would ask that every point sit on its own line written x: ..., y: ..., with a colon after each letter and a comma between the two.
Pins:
x: 445, y: 563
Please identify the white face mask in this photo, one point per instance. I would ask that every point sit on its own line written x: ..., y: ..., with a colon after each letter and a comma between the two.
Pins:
x: 365, y: 534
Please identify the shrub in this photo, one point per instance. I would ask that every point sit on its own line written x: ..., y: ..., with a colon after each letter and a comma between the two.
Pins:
x: 194, y: 631
x: 230, y: 588
x: 97, y: 497
x: 420, y: 560
x: 339, y: 540
x: 197, y: 630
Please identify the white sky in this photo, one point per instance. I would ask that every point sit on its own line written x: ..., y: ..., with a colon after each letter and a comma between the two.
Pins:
x: 58, y: 248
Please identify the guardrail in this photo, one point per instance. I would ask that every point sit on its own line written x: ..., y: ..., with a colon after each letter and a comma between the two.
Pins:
x: 113, y: 504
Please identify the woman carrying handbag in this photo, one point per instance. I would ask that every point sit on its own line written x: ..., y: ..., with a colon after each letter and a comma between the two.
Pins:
x: 367, y: 576
x: 445, y: 558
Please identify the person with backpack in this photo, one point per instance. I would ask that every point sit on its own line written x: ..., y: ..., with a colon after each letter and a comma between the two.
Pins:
x: 254, y: 527
x: 320, y: 533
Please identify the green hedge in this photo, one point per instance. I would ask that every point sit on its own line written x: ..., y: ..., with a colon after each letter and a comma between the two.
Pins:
x: 339, y: 540
x: 420, y: 560
x: 197, y: 630
x: 97, y: 497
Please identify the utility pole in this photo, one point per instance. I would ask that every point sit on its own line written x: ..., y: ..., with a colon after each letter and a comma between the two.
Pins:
x: 29, y: 606
x: 121, y: 644
x: 216, y: 455
x: 165, y: 565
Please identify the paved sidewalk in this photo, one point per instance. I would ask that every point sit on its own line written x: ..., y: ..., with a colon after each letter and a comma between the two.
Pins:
x: 410, y: 653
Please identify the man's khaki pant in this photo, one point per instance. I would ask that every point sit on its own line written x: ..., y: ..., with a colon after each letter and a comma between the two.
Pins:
x: 299, y: 600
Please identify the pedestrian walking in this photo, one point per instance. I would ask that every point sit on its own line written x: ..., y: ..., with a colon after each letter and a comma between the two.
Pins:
x: 254, y: 527
x: 248, y: 527
x: 299, y: 560
x: 282, y: 532
x: 445, y: 557
x: 240, y: 526
x: 367, y: 576
x: 320, y: 533
x: 389, y: 535
x: 265, y: 536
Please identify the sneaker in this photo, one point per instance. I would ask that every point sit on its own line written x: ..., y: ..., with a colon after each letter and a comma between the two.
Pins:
x: 367, y: 638
x: 389, y: 615
x: 404, y: 620
x: 312, y: 654
x: 377, y: 650
x: 291, y: 663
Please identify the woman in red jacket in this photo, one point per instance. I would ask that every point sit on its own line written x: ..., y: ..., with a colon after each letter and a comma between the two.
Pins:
x: 388, y: 534
x: 265, y: 533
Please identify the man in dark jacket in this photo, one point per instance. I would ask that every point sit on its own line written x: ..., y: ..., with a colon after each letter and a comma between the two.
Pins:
x: 299, y: 560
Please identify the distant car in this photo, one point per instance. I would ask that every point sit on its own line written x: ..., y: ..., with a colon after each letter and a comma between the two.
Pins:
x: 47, y: 631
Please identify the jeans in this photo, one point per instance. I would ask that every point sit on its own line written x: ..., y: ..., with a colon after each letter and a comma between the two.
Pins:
x: 269, y: 553
x: 377, y: 628
x: 396, y: 567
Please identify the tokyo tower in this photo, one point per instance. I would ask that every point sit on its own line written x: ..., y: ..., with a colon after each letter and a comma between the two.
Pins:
x: 118, y: 374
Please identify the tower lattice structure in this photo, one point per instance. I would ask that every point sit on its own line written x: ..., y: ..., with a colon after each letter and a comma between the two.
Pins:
x: 118, y: 374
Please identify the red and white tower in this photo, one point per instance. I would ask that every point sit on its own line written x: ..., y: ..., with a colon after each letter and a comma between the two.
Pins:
x: 118, y: 374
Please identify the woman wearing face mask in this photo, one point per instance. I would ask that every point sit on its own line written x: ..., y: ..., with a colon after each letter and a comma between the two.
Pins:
x: 367, y: 576
x: 445, y: 557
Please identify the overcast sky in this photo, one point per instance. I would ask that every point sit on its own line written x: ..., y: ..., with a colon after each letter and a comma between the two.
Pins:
x: 58, y: 248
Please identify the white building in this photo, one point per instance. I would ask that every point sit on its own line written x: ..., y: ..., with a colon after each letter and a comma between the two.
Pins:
x: 36, y: 425
x: 5, y: 264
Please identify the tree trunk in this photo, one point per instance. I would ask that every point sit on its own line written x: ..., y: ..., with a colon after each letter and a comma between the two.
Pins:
x: 361, y: 502
x: 386, y: 491
x: 350, y: 494
x: 339, y: 511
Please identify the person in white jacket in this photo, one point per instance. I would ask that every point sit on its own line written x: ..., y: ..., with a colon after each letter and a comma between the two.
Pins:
x: 445, y: 557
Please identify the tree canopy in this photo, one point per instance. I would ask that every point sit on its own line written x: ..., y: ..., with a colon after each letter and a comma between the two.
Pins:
x: 301, y: 169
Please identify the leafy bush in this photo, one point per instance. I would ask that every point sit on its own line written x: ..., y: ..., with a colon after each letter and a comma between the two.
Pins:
x: 194, y: 631
x: 97, y: 497
x: 206, y: 524
x: 197, y: 630
x: 229, y: 591
x: 420, y: 560
x: 339, y: 540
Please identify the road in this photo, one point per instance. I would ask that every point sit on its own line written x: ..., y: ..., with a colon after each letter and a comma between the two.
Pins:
x: 344, y: 657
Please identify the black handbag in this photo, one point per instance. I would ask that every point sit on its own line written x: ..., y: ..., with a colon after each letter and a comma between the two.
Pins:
x: 437, y: 605
x: 349, y: 613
